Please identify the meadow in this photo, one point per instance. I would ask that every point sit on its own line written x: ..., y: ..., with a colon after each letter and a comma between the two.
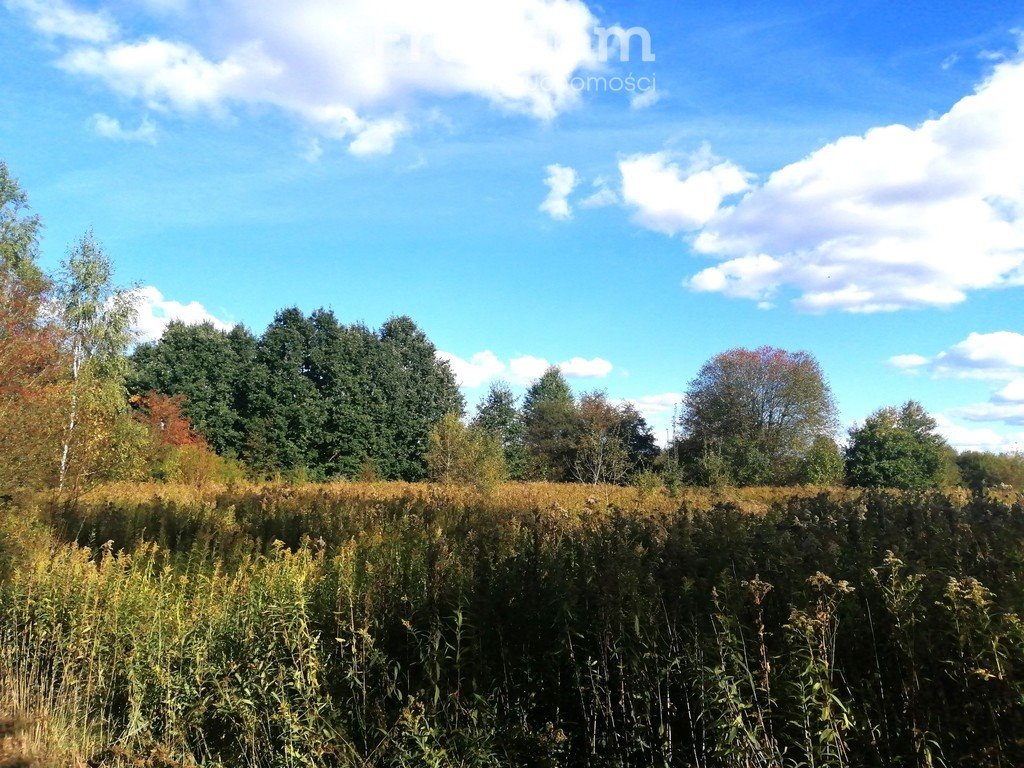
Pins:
x: 541, y: 625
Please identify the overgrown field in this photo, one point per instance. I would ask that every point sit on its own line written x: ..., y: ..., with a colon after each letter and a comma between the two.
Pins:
x: 409, y: 625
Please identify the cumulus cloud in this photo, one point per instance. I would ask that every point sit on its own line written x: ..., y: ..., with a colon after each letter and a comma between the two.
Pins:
x: 349, y: 68
x: 897, y: 218
x: 561, y: 181
x: 977, y: 438
x: 55, y: 18
x: 477, y: 370
x: 654, y: 405
x: 526, y: 369
x: 1005, y: 405
x: 377, y: 137
x: 155, y: 313
x: 748, y: 277
x: 581, y: 368
x: 1008, y: 413
x: 170, y: 76
x: 669, y: 197
x: 111, y: 128
x: 998, y: 355
x: 523, y: 370
x: 1011, y: 393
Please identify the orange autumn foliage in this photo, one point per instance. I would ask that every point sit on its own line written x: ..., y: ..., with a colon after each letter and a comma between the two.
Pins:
x: 162, y: 414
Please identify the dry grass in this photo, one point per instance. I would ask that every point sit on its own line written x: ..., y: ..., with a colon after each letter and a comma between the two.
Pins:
x: 515, y: 497
x: 394, y: 625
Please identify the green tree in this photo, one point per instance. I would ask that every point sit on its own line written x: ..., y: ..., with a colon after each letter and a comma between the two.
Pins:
x: 309, y: 398
x: 981, y: 470
x: 552, y: 427
x: 342, y: 364
x: 823, y: 464
x: 614, y: 442
x: 897, y: 448
x: 498, y: 415
x: 420, y: 390
x: 464, y: 455
x: 97, y: 318
x: 209, y: 368
x: 755, y: 413
x: 19, y: 230
x: 286, y: 410
x: 641, y: 444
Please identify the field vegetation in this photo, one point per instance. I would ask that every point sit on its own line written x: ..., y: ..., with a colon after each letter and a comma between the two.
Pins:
x: 390, y: 624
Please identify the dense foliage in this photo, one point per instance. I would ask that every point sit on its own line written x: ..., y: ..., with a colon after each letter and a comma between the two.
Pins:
x: 899, y: 448
x: 411, y: 626
x: 751, y: 417
x: 980, y: 470
x: 309, y: 396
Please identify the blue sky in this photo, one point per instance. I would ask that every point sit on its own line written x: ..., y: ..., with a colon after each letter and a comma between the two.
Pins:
x: 844, y: 179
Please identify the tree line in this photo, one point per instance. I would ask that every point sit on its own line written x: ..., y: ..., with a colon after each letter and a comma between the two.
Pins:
x: 316, y: 399
x: 311, y: 398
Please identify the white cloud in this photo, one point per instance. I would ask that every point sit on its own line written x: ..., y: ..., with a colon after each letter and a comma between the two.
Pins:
x: 526, y: 369
x: 170, y: 76
x: 645, y: 99
x: 110, y: 128
x: 1005, y: 405
x: 523, y: 370
x: 602, y: 196
x: 377, y: 137
x: 351, y: 69
x: 1008, y: 413
x: 561, y: 181
x: 976, y: 438
x: 749, y: 277
x: 670, y: 198
x: 155, y: 313
x: 581, y: 368
x: 55, y: 18
x: 998, y: 355
x: 479, y: 369
x: 983, y: 355
x: 909, y: 363
x: 655, y: 408
x: 1011, y: 393
x: 899, y: 217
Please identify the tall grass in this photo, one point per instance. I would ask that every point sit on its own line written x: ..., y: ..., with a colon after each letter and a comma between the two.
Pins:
x: 416, y: 626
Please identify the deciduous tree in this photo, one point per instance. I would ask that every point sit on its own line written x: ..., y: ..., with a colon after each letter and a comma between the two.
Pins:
x: 756, y: 413
x: 898, y: 448
x: 464, y: 455
x: 31, y: 364
x: 97, y: 319
x: 614, y: 443
x: 209, y: 369
x: 981, y: 470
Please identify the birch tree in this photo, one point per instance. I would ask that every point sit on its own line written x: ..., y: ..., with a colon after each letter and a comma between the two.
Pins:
x: 97, y: 319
